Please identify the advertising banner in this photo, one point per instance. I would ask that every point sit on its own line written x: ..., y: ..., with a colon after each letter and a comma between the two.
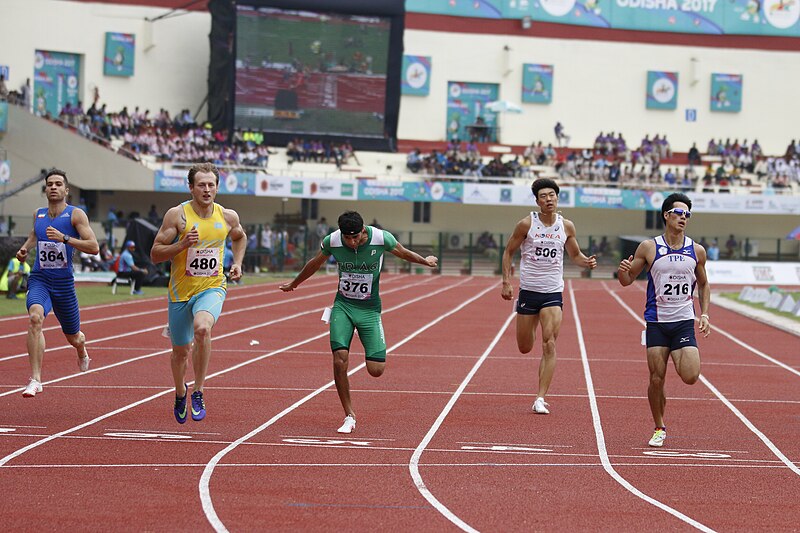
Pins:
x: 408, y: 191
x: 55, y: 81
x: 726, y: 92
x: 537, y: 83
x: 174, y: 180
x: 662, y: 90
x: 750, y: 273
x: 119, y: 54
x: 467, y: 117
x: 416, y: 75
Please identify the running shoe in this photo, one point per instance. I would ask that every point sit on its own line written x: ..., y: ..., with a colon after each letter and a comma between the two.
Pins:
x: 657, y: 441
x: 198, y: 406
x: 32, y: 389
x: 180, y: 406
x: 83, y: 363
x: 349, y: 424
x: 540, y: 407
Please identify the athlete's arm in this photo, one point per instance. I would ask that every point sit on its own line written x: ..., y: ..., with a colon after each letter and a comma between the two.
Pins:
x: 309, y: 269
x: 238, y: 242
x: 703, y: 289
x: 87, y: 243
x: 514, y: 242
x: 574, y: 249
x: 630, y: 268
x: 22, y: 253
x: 164, y: 246
x: 413, y: 257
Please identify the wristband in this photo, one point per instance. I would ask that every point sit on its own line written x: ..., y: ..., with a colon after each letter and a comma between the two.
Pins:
x: 705, y: 315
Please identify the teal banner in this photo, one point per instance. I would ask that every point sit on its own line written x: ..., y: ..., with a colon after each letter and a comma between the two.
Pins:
x: 467, y: 118
x: 55, y: 81
x: 618, y: 198
x: 407, y: 191
x: 537, y: 83
x: 3, y: 117
x: 119, y: 54
x: 726, y: 93
x: 175, y: 180
x: 737, y: 17
x: 662, y: 90
x: 416, y: 75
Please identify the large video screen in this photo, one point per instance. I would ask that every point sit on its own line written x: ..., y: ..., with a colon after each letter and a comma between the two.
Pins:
x: 309, y: 72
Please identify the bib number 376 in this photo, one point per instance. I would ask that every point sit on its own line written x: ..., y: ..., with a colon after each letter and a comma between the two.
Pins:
x: 202, y: 262
x: 355, y: 286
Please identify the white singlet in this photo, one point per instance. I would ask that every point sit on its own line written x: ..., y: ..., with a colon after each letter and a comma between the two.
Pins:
x: 541, y: 268
x: 671, y: 282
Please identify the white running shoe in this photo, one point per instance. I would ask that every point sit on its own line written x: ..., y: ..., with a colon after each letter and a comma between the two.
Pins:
x: 658, y: 438
x: 349, y: 425
x: 83, y: 363
x: 32, y: 388
x: 540, y: 407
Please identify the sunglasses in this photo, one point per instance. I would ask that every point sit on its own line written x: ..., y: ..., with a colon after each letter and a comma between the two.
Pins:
x: 681, y: 212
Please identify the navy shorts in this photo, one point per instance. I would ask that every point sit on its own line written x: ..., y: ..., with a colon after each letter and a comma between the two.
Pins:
x: 58, y: 295
x: 674, y: 335
x: 530, y: 302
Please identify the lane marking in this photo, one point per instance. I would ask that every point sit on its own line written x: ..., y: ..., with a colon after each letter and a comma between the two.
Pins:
x: 148, y: 436
x: 774, y: 449
x: 600, y: 437
x: 205, y: 479
x: 413, y: 464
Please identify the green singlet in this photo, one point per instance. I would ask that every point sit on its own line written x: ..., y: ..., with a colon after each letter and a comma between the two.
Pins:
x: 358, y: 302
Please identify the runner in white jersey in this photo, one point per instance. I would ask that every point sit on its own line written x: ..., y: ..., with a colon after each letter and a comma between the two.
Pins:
x: 543, y: 238
x: 676, y: 264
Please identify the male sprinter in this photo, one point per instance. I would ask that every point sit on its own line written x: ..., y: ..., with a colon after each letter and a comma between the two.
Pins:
x: 58, y: 229
x: 543, y: 237
x: 675, y: 265
x: 193, y: 237
x: 358, y: 250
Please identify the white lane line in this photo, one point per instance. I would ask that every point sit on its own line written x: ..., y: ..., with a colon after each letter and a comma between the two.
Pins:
x: 774, y: 449
x: 205, y: 479
x: 413, y: 464
x: 600, y: 437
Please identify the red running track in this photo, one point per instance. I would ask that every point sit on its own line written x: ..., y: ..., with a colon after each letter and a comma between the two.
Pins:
x: 445, y: 439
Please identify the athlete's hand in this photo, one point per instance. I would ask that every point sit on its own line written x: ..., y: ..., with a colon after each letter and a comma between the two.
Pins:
x: 22, y: 255
x: 432, y: 261
x: 287, y: 287
x: 507, y: 291
x: 236, y: 272
x: 625, y: 264
x: 591, y: 262
x: 54, y: 235
x: 191, y: 238
x: 705, y: 326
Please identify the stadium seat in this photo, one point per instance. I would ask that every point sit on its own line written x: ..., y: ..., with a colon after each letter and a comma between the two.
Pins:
x: 121, y: 281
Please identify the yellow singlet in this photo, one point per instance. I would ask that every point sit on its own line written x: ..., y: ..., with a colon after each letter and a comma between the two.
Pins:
x: 200, y: 267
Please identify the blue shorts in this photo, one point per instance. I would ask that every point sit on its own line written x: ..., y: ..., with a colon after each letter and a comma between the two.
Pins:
x: 531, y: 302
x: 181, y: 314
x: 674, y: 335
x: 58, y: 295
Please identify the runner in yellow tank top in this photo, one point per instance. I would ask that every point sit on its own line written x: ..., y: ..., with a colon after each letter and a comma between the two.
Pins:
x: 192, y: 236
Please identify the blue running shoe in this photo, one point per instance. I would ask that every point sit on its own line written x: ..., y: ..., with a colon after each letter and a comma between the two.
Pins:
x: 180, y: 406
x: 198, y: 406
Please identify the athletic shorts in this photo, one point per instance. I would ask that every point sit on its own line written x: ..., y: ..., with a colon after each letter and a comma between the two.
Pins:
x: 57, y: 295
x: 181, y: 314
x: 530, y: 302
x: 346, y: 318
x: 675, y: 335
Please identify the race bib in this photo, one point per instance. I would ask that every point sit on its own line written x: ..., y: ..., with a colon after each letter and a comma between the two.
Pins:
x: 355, y: 286
x: 545, y: 253
x: 52, y: 254
x: 202, y: 262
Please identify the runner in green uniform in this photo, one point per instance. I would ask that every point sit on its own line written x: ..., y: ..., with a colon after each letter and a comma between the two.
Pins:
x: 358, y: 250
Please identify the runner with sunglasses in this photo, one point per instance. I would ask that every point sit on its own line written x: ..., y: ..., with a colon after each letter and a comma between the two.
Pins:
x: 675, y: 265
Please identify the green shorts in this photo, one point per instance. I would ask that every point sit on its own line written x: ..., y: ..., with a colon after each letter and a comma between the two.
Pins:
x: 346, y: 318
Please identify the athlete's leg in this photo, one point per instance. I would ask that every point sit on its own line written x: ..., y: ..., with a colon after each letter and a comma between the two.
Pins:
x: 687, y: 363
x: 370, y: 331
x: 78, y: 341
x: 203, y: 322
x: 526, y: 331
x: 35, y: 340
x: 340, y: 364
x: 657, y: 363
x: 550, y: 318
x: 178, y: 361
x: 180, y: 332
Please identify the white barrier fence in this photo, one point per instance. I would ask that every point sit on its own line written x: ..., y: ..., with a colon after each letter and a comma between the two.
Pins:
x: 771, y: 299
x: 752, y: 273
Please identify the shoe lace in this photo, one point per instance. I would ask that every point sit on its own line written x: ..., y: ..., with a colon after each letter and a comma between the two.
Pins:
x: 197, y: 400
